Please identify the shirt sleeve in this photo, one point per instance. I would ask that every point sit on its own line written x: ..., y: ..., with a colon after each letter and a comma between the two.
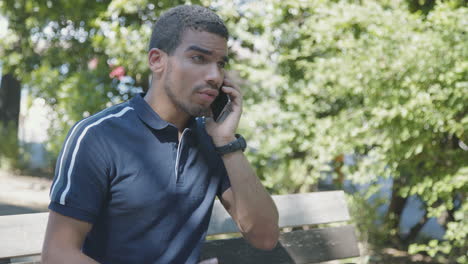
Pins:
x: 81, y: 177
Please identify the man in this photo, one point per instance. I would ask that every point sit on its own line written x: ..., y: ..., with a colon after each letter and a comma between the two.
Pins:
x: 136, y: 182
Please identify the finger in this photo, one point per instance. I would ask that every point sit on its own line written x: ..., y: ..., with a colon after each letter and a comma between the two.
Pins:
x: 236, y: 96
x: 210, y: 261
x: 234, y: 93
x: 229, y: 83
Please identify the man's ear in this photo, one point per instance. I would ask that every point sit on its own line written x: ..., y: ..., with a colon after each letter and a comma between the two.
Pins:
x: 157, y: 60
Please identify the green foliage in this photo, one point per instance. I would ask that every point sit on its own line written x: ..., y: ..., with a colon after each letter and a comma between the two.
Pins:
x: 425, y: 6
x: 65, y: 51
x: 370, y: 225
x: 11, y: 153
x: 322, y: 79
x: 365, y: 79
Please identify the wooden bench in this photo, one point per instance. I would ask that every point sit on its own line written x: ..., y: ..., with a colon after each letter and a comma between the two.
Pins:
x: 21, y: 236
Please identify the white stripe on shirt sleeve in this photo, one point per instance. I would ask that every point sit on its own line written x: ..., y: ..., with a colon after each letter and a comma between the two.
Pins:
x: 77, y: 147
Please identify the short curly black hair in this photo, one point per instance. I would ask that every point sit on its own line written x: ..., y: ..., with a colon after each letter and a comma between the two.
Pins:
x: 168, y: 30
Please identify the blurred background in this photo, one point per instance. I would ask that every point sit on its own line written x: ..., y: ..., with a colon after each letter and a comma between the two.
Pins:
x: 367, y: 96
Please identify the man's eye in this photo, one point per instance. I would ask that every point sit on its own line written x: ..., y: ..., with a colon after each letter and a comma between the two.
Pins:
x: 198, y: 58
x: 222, y: 64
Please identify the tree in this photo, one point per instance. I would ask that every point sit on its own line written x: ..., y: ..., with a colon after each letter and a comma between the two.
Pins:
x: 366, y: 79
x: 68, y: 53
x: 322, y: 79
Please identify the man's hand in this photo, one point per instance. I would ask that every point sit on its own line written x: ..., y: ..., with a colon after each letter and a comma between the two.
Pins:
x: 224, y: 132
x: 209, y: 261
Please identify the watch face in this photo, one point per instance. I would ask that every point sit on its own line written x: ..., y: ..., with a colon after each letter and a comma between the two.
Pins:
x: 242, y: 142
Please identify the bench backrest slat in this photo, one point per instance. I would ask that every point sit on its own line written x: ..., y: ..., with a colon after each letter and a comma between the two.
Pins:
x: 294, y: 210
x: 22, y: 235
x: 302, y: 246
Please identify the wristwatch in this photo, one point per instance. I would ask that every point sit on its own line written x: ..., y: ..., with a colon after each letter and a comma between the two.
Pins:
x: 235, y: 145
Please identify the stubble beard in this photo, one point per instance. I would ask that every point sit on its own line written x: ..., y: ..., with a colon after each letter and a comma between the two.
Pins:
x: 192, y: 110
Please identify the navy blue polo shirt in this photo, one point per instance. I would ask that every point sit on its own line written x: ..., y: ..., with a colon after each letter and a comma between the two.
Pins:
x: 148, y: 195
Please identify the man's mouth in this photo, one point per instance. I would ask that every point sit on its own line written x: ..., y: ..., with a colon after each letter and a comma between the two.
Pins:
x: 208, y: 95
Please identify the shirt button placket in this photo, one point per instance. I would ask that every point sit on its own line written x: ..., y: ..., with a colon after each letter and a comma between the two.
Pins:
x: 174, y: 155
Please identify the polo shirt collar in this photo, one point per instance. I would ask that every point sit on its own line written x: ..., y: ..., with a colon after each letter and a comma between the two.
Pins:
x: 149, y: 116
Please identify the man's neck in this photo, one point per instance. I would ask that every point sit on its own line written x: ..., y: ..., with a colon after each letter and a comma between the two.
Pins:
x: 166, y: 110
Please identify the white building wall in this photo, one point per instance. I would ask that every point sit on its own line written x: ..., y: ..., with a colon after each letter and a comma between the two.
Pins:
x: 32, y: 131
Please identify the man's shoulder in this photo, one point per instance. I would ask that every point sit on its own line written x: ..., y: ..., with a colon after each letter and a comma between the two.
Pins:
x: 114, y: 111
x: 101, y: 121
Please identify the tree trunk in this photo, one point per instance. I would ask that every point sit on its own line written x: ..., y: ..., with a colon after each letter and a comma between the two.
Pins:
x: 9, y: 118
x: 395, y: 210
x: 10, y: 95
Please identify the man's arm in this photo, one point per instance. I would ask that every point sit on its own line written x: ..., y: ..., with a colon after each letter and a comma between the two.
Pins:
x: 246, y: 200
x: 63, y: 240
x: 249, y: 204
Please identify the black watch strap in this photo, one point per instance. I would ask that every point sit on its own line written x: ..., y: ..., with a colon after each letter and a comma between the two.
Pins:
x: 235, y: 145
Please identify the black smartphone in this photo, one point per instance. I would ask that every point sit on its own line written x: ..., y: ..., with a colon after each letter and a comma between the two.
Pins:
x: 221, y: 106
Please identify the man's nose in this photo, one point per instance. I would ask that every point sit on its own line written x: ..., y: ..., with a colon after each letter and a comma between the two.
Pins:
x: 214, y: 75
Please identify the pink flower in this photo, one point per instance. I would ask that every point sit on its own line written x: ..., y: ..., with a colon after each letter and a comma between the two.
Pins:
x: 92, y: 64
x: 117, y: 72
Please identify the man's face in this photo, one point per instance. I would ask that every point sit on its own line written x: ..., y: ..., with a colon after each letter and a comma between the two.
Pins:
x: 195, y: 72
